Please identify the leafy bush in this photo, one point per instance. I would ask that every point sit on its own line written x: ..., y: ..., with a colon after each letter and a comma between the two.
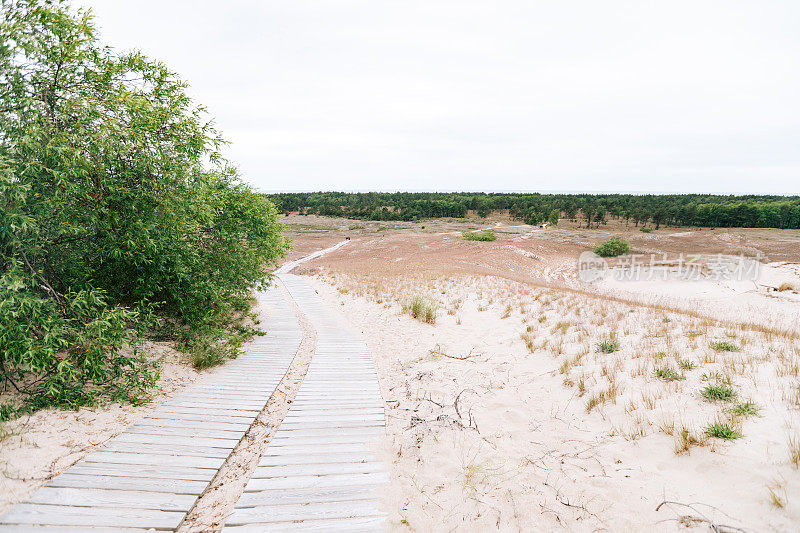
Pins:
x: 117, y: 214
x: 487, y: 235
x: 646, y: 229
x: 613, y: 247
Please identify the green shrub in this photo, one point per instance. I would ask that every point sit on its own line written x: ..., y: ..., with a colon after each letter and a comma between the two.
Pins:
x: 613, y: 247
x: 118, y: 214
x: 487, y: 235
x: 645, y: 229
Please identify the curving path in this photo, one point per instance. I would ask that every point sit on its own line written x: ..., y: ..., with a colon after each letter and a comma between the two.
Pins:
x: 319, y: 471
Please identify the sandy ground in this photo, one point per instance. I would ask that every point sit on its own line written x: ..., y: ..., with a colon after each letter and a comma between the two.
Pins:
x: 485, y: 432
x: 508, y: 414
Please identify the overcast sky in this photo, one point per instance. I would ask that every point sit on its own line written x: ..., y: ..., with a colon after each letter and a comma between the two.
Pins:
x: 559, y: 95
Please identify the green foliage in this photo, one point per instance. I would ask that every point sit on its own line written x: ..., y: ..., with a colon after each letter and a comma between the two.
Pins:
x: 745, y: 409
x: 669, y: 374
x: 703, y: 210
x: 724, y: 346
x: 487, y: 235
x: 687, y: 364
x: 722, y: 430
x: 646, y: 229
x: 117, y: 213
x: 608, y: 345
x: 718, y: 392
x: 613, y: 247
x: 421, y: 308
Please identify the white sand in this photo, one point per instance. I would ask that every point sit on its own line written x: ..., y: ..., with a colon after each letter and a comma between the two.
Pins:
x: 522, y: 452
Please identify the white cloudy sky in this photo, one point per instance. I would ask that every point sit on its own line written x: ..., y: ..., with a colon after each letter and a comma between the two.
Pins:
x: 525, y: 95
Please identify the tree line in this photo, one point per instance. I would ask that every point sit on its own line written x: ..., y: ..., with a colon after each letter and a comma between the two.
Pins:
x: 701, y: 210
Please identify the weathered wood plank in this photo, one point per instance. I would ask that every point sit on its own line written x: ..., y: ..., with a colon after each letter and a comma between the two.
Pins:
x: 154, y: 459
x: 137, y: 499
x: 351, y: 525
x: 321, y: 469
x: 112, y: 482
x: 283, y: 497
x: 310, y: 511
x: 140, y: 471
x: 310, y: 458
x: 64, y: 515
x: 303, y: 482
x: 166, y: 449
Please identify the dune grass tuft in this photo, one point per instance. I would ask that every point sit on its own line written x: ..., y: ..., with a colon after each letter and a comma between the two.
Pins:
x: 722, y: 430
x: 421, y: 308
x: 718, y: 392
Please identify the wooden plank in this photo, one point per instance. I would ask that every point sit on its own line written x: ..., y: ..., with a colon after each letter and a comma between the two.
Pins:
x: 69, y: 529
x: 153, y: 459
x: 283, y: 497
x: 310, y: 458
x: 252, y: 413
x: 351, y: 525
x: 162, y: 415
x: 112, y: 498
x: 193, y: 424
x: 305, y: 418
x: 144, y: 471
x: 143, y: 438
x: 327, y: 439
x: 348, y: 447
x: 113, y: 482
x: 65, y: 515
x: 333, y: 426
x: 166, y: 449
x: 303, y: 482
x: 320, y: 469
x: 185, y: 432
x: 309, y: 511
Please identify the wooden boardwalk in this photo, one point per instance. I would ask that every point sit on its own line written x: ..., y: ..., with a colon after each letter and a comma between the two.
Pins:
x: 319, y: 471
x: 148, y: 477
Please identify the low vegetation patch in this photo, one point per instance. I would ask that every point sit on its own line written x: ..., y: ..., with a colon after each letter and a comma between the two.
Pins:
x: 487, y: 235
x: 724, y: 346
x: 668, y: 374
x: 613, y: 247
x: 421, y: 308
x: 745, y: 409
x: 719, y: 392
x: 722, y: 430
x: 608, y: 345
